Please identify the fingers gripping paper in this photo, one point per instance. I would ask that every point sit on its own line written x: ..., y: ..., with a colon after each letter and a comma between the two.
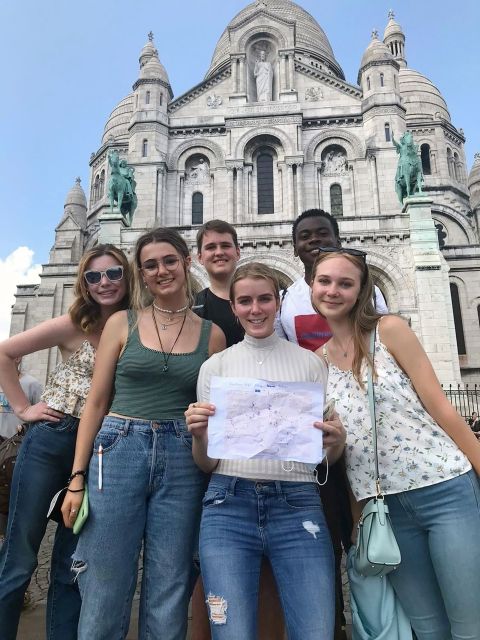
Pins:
x: 263, y: 419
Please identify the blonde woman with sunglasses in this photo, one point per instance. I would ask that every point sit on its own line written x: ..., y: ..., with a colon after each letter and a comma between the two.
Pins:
x: 45, y: 458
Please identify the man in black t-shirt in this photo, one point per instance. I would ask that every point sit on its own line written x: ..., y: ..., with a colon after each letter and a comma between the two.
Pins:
x: 218, y: 252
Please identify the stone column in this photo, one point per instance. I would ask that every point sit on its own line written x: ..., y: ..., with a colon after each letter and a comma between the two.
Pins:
x: 240, y: 194
x: 352, y: 182
x: 180, y: 191
x: 283, y: 71
x: 230, y: 194
x: 243, y: 84
x: 212, y: 195
x: 291, y: 82
x: 234, y: 74
x: 299, y: 188
x: 247, y: 180
x: 374, y: 183
x: 290, y: 194
x: 159, y: 202
x: 432, y: 291
x: 319, y: 187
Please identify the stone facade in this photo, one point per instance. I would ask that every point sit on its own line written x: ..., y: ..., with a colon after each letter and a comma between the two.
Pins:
x: 275, y: 96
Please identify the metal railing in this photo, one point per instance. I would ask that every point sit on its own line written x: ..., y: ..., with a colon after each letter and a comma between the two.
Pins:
x: 465, y: 398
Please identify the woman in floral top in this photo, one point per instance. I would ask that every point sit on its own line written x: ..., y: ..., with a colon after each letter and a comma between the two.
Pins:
x: 45, y: 459
x: 426, y: 451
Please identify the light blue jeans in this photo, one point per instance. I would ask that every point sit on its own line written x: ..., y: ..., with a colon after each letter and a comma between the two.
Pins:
x: 152, y: 493
x: 438, y: 582
x: 243, y: 521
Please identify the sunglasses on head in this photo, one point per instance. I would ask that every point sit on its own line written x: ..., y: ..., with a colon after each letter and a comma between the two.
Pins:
x: 114, y: 274
x: 350, y: 252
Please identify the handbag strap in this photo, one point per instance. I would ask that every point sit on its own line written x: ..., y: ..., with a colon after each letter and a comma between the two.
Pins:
x: 373, y: 415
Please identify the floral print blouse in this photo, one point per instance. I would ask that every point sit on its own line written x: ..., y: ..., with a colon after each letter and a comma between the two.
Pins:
x: 413, y: 451
x: 69, y: 383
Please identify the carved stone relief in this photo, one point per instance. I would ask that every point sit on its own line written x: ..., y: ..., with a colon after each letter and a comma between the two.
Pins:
x: 335, y: 163
x: 197, y: 171
x: 214, y: 101
x: 313, y: 94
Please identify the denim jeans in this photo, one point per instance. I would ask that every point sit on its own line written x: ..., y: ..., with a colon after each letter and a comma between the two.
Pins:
x: 42, y: 468
x: 244, y: 520
x: 438, y: 580
x: 152, y: 493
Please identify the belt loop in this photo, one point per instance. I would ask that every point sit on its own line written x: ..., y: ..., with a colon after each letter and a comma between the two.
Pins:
x: 231, y: 485
x: 278, y: 488
x: 126, y: 427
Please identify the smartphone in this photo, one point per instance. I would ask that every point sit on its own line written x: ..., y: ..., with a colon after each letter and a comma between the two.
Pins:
x: 82, y: 513
x: 328, y: 410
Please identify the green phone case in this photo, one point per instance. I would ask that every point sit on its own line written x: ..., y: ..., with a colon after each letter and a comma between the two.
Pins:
x: 82, y: 514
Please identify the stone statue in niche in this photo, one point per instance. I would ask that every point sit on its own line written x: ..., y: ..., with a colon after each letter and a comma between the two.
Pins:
x: 198, y: 172
x: 263, y: 74
x: 335, y: 163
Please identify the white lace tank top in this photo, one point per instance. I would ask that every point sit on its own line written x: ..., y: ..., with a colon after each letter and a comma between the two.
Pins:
x: 413, y: 451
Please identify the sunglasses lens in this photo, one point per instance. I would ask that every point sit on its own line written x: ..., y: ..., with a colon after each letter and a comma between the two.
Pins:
x: 93, y: 277
x: 114, y: 273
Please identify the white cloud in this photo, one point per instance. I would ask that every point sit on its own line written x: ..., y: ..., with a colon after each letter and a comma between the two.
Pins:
x: 16, y: 268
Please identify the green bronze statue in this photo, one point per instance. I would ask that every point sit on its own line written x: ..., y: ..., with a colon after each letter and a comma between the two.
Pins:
x: 409, y: 176
x: 121, y: 186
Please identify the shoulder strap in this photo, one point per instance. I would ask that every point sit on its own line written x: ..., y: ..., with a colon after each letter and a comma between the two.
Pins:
x: 200, y: 301
x: 371, y: 402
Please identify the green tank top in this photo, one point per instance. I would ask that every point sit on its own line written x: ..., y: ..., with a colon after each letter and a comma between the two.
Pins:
x: 144, y: 390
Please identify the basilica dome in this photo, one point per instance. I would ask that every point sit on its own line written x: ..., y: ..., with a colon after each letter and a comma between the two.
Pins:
x: 117, y: 123
x: 421, y: 98
x: 309, y: 35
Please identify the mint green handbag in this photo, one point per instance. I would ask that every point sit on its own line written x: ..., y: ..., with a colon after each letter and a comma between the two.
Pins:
x: 376, y: 552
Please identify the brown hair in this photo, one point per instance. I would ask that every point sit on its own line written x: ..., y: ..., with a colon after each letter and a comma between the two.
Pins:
x: 84, y: 311
x: 363, y: 315
x: 219, y: 226
x: 257, y: 271
x: 141, y: 297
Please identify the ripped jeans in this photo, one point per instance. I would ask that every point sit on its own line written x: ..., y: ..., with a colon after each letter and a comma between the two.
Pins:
x: 242, y: 521
x: 152, y: 494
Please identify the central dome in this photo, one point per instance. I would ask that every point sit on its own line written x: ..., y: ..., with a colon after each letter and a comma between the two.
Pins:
x: 309, y: 35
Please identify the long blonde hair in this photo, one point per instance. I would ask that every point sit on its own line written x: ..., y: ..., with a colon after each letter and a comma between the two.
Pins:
x: 84, y: 312
x: 141, y: 297
x: 363, y: 315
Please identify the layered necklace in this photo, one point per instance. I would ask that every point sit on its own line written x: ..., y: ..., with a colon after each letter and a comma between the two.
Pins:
x: 170, y: 320
x: 166, y: 356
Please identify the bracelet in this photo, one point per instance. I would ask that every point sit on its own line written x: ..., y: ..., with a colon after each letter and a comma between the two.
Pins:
x: 75, y: 474
x: 76, y: 490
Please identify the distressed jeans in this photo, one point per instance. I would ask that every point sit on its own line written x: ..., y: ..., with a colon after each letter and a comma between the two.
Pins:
x: 42, y: 468
x: 438, y: 581
x: 152, y: 494
x: 244, y: 520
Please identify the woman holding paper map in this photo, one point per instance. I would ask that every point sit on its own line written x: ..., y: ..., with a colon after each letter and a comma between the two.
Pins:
x: 425, y: 450
x: 267, y: 504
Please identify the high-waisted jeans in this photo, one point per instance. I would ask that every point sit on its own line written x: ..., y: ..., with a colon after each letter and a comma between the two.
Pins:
x: 244, y: 520
x: 43, y: 466
x: 438, y: 581
x: 152, y: 493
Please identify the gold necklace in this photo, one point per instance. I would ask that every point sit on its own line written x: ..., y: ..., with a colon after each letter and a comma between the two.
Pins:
x: 166, y: 356
x: 344, y: 349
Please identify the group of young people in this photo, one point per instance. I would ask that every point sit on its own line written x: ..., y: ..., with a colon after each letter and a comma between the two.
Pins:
x: 126, y: 413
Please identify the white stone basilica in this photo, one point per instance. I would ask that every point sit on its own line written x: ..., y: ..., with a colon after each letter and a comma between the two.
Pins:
x: 273, y: 129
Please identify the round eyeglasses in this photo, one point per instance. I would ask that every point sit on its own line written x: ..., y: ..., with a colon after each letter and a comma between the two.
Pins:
x: 114, y: 274
x: 150, y: 267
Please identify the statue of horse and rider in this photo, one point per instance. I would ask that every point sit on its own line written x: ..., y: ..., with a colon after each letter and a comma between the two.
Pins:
x: 121, y: 186
x: 409, y: 176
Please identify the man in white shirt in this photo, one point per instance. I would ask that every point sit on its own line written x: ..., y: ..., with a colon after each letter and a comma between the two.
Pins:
x: 297, y: 320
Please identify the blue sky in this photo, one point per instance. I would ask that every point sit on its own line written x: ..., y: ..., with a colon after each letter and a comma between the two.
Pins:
x: 66, y: 65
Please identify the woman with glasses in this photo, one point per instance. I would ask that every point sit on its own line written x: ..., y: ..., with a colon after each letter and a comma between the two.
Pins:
x: 45, y: 459
x: 144, y: 487
x: 425, y: 450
